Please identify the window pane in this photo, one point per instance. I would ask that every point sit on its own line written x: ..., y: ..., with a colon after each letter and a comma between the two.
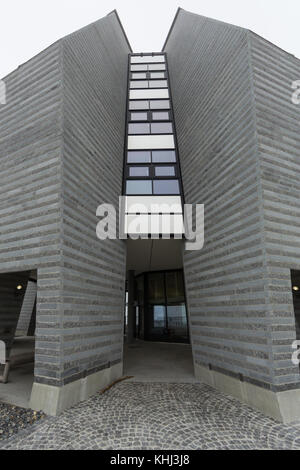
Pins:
x: 138, y: 116
x: 148, y: 94
x: 138, y: 171
x: 138, y: 104
x: 156, y: 323
x: 147, y: 59
x: 160, y: 104
x: 139, y: 157
x: 138, y: 129
x: 157, y: 75
x: 164, y: 171
x: 145, y: 142
x: 158, y: 84
x: 165, y: 186
x: 162, y: 116
x: 138, y: 76
x: 177, y: 320
x: 161, y: 128
x: 139, y: 84
x: 156, y: 288
x: 139, y: 187
x: 174, y: 287
x: 157, y: 67
x: 159, y: 316
x: 163, y: 156
x: 139, y: 68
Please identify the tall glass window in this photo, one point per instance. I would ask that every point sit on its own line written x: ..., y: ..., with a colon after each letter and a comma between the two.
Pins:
x: 151, y: 163
x: 165, y: 316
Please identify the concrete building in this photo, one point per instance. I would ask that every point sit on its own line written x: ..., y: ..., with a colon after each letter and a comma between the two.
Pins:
x: 210, y: 120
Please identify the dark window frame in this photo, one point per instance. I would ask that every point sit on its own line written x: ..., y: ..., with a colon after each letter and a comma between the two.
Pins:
x: 149, y: 110
x: 166, y: 162
x: 151, y: 167
x: 149, y: 116
x: 148, y: 75
x: 143, y: 123
x: 149, y: 101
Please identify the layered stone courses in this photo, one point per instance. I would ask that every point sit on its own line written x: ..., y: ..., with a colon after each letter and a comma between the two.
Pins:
x: 61, y: 148
x: 238, y: 136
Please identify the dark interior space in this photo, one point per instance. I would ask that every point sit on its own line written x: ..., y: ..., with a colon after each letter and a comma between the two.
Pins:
x: 160, y: 307
x: 18, y: 293
x: 295, y: 277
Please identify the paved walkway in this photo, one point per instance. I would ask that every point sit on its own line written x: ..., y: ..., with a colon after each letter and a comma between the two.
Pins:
x: 147, y: 361
x: 158, y: 416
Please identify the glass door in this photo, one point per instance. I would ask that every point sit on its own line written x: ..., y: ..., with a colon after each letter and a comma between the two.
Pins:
x: 165, y: 312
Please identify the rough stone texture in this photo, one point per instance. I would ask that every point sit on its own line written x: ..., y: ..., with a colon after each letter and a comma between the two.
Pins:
x: 95, y: 61
x: 159, y: 416
x: 30, y: 185
x: 61, y: 142
x: 61, y: 153
x: 238, y: 135
x: 278, y: 141
x: 14, y: 419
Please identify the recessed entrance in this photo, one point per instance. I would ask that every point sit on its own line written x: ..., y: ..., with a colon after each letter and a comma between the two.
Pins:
x: 161, y: 307
x: 157, y: 343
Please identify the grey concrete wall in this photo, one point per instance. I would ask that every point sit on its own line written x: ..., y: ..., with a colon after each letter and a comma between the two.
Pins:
x: 95, y: 63
x: 278, y: 133
x: 30, y: 188
x: 61, y: 150
x: 229, y: 282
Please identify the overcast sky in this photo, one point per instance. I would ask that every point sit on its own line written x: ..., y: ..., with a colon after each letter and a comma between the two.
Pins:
x: 29, y: 26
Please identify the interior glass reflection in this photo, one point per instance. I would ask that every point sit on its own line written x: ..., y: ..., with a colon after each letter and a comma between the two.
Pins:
x: 139, y: 157
x: 165, y: 187
x: 163, y: 156
x: 139, y: 187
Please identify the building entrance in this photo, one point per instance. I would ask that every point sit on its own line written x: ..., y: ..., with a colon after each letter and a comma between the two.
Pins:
x: 160, y: 307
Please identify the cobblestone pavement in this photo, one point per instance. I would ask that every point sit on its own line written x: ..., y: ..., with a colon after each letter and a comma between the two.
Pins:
x: 158, y: 416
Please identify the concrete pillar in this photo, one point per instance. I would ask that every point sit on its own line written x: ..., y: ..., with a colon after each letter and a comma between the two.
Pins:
x: 131, y: 308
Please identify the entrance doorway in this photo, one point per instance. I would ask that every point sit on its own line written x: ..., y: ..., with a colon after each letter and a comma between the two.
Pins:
x: 161, y: 307
x: 157, y: 344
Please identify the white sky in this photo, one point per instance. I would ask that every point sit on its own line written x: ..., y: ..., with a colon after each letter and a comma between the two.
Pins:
x: 29, y: 26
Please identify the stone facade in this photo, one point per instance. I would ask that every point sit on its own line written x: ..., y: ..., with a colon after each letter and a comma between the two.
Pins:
x: 238, y: 134
x: 61, y: 148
